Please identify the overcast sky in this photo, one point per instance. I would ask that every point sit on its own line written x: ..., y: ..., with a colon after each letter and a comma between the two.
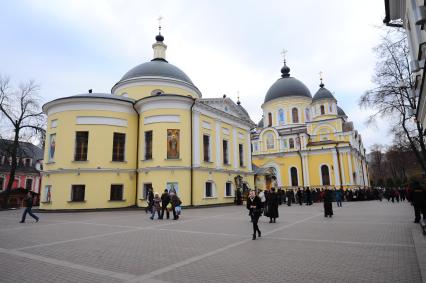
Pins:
x: 225, y: 47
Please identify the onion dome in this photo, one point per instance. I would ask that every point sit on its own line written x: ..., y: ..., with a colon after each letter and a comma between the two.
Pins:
x: 323, y: 93
x: 287, y: 86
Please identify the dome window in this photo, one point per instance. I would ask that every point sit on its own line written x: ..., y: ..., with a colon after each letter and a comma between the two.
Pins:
x: 291, y: 142
x: 269, y: 119
x: 322, y: 110
x: 157, y: 92
x: 295, y: 114
x: 281, y: 116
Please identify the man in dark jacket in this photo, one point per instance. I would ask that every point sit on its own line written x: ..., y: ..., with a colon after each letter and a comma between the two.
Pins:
x: 272, y: 203
x: 165, y: 199
x: 328, y: 206
x: 175, y: 200
x: 150, y: 199
x: 255, y: 206
x: 299, y: 196
x: 418, y: 199
x: 29, y: 205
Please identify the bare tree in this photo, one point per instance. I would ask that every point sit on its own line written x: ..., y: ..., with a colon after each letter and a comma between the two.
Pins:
x: 20, y: 109
x: 393, y: 97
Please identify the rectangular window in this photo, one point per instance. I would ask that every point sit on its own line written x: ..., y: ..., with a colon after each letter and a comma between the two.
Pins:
x: 209, y: 189
x: 241, y: 154
x: 148, y: 145
x: 116, y: 192
x: 206, y: 148
x: 47, y: 193
x: 173, y: 143
x: 81, y: 142
x: 28, y: 184
x: 1, y: 183
x: 228, y: 189
x: 225, y: 152
x: 77, y: 192
x: 118, y: 147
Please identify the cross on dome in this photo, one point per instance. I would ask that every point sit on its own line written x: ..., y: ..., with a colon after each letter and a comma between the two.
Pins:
x: 320, y: 74
x: 283, y: 53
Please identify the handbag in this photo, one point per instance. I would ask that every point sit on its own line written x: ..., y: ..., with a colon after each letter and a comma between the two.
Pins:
x: 178, y: 210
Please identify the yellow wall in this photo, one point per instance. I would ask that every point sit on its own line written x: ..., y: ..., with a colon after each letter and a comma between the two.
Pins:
x: 97, y: 191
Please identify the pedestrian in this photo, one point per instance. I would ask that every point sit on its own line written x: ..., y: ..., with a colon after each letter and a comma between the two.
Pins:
x: 165, y: 200
x: 328, y: 203
x: 149, y: 199
x: 255, y: 208
x: 28, y: 201
x: 272, y: 203
x: 176, y: 202
x: 299, y: 196
x: 156, y: 205
x: 308, y: 196
x: 339, y: 197
x: 288, y: 193
x: 418, y: 200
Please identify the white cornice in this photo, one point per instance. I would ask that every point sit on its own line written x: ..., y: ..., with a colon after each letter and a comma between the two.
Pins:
x: 164, y: 102
x: 88, y: 104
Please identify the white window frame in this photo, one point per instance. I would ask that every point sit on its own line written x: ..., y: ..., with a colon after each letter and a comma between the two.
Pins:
x: 232, y: 190
x: 213, y: 189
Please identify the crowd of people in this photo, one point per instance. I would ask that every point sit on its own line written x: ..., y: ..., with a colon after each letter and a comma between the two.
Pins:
x: 266, y: 202
x: 167, y: 202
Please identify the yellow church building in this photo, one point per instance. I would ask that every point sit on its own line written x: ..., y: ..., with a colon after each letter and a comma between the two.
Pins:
x: 154, y: 130
x: 305, y: 141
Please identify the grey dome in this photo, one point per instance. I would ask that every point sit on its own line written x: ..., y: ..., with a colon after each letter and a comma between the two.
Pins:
x: 323, y: 93
x: 286, y: 87
x: 340, y: 112
x: 159, y: 68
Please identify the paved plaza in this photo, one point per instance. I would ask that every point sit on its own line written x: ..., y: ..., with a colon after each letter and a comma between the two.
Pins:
x: 363, y: 242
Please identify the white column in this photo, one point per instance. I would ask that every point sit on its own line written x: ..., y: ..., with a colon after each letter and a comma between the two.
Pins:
x: 336, y: 168
x: 218, y: 143
x: 351, y: 177
x: 196, y: 138
x: 305, y: 170
x: 248, y: 154
x: 365, y: 173
x: 235, y: 147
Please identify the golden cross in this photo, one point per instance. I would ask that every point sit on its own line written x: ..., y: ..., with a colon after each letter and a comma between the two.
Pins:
x: 320, y: 74
x: 159, y: 23
x: 284, y: 52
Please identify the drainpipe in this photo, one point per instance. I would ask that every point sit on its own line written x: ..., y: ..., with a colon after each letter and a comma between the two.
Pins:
x: 192, y: 162
x: 137, y: 157
x: 338, y: 165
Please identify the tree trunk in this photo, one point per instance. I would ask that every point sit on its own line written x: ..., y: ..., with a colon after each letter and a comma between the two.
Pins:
x: 12, y: 172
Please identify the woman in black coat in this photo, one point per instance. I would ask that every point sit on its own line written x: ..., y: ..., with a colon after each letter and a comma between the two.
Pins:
x: 255, y: 206
x: 328, y: 199
x: 272, y: 202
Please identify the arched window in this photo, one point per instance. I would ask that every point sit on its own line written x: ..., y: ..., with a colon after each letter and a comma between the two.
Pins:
x: 307, y: 115
x: 325, y: 174
x: 322, y: 110
x: 269, y: 119
x: 295, y: 115
x: 281, y: 116
x: 294, y: 179
x: 291, y: 143
x: 270, y: 141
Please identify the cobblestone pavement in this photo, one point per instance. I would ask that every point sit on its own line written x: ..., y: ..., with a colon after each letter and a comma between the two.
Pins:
x: 363, y: 242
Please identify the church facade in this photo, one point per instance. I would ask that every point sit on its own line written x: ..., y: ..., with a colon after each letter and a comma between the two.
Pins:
x: 305, y: 141
x: 153, y: 131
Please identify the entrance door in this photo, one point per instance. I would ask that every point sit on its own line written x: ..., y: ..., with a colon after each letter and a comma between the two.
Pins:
x: 325, y: 175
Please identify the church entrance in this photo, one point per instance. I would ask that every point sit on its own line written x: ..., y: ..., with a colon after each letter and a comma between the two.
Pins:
x: 325, y: 174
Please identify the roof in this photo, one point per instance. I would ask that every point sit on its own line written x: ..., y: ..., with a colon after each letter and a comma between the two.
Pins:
x: 96, y: 95
x: 287, y: 86
x: 340, y: 112
x: 25, y: 149
x: 260, y: 124
x: 158, y: 68
x: 323, y: 93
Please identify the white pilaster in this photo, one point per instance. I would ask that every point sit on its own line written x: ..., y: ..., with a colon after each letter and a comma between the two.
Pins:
x: 235, y: 147
x: 336, y: 168
x: 365, y: 174
x: 305, y: 170
x: 218, y: 145
x: 196, y: 138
